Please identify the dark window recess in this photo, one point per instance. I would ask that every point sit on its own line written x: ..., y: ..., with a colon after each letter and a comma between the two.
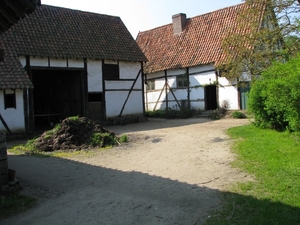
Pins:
x: 150, y: 85
x: 9, y: 100
x: 95, y: 97
x: 111, y: 72
x: 182, y: 81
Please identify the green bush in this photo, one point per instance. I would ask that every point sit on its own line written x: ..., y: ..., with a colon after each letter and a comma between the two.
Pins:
x: 170, y: 113
x: 274, y: 99
x: 102, y: 139
x: 123, y: 138
x: 238, y: 115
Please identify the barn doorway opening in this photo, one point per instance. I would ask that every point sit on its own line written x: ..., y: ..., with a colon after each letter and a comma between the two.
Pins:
x: 211, y: 97
x: 57, y: 94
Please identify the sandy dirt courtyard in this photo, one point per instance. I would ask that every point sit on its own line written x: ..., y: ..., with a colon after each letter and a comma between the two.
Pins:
x: 170, y: 172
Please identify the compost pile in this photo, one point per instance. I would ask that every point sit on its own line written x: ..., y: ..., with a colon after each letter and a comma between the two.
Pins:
x: 74, y: 133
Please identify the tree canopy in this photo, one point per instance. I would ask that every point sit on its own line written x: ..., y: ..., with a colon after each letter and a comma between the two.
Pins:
x: 268, y: 31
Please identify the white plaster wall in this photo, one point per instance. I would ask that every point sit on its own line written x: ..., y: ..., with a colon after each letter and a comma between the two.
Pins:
x: 13, y: 117
x: 224, y: 82
x: 197, y: 93
x: 204, y: 75
x: 181, y: 94
x: 43, y: 62
x: 94, y: 70
x: 159, y: 83
x: 229, y: 94
x: 154, y: 95
x: 176, y: 72
x: 38, y: 61
x: 197, y: 69
x: 160, y: 105
x: 129, y: 70
x: 116, y: 99
x: 199, y: 105
x: 123, y: 84
x: 57, y: 62
x: 172, y: 82
x: 77, y: 63
x: 155, y: 75
x: 203, y: 78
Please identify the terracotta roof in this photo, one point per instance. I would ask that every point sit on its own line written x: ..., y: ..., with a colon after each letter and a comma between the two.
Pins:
x: 59, y: 32
x: 199, y: 43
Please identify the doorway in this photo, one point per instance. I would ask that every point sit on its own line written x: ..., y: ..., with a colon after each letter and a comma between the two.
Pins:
x: 57, y: 94
x: 210, y: 97
x: 244, y: 95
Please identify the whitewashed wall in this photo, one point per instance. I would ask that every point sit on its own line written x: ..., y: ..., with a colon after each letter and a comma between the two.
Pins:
x: 14, y: 118
x: 228, y: 93
x: 52, y: 62
x: 199, y: 77
x: 116, y: 99
x: 117, y: 91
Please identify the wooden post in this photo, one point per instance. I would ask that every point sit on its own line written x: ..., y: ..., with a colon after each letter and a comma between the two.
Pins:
x: 132, y: 86
x: 5, y: 124
x: 3, y: 161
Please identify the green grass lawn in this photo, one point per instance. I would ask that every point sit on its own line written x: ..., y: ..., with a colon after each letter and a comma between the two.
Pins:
x: 273, y: 197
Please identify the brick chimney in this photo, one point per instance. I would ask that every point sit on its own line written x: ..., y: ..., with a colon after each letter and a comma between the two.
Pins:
x: 179, y: 21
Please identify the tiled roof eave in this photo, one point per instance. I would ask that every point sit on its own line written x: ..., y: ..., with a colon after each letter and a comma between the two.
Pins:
x: 152, y: 69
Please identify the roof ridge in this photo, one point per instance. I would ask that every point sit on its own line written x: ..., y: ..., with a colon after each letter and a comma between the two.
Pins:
x: 190, y: 18
x: 78, y: 10
x: 215, y: 11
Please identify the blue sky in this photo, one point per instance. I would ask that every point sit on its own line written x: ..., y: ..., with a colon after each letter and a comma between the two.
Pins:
x: 141, y: 15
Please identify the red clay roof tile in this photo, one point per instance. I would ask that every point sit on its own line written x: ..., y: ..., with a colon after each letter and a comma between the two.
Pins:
x: 200, y: 42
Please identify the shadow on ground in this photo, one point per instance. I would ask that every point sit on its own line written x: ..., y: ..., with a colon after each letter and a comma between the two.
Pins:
x: 71, y: 192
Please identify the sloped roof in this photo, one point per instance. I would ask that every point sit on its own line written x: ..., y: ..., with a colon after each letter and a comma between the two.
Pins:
x: 64, y: 33
x: 12, y: 11
x: 200, y: 42
x: 12, y: 73
x: 61, y: 32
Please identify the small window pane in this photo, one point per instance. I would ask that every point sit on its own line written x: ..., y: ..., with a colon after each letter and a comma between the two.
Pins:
x: 9, y: 100
x: 150, y: 85
x: 111, y: 72
x: 182, y: 81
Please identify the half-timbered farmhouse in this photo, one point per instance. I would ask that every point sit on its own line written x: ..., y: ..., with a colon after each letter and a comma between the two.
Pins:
x: 60, y: 62
x: 182, y: 59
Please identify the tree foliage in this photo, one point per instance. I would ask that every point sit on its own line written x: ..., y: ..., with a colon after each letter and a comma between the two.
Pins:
x: 259, y: 39
x: 275, y: 97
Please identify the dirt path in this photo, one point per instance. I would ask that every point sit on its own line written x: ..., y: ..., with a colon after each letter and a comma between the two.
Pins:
x: 171, y: 172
